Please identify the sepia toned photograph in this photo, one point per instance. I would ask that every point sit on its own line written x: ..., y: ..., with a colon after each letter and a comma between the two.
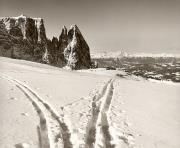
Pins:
x: 89, y: 73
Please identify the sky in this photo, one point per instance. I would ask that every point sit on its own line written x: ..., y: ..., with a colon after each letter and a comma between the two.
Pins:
x: 136, y: 26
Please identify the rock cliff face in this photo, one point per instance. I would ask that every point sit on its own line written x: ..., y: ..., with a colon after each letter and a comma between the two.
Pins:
x: 77, y: 52
x: 63, y: 42
x: 25, y: 38
x: 5, y: 42
x: 28, y: 28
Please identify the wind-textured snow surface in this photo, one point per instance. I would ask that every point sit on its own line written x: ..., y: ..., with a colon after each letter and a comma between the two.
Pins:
x: 47, y: 107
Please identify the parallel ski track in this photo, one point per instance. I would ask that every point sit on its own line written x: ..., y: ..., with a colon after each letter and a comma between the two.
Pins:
x: 53, y: 132
x: 99, y: 119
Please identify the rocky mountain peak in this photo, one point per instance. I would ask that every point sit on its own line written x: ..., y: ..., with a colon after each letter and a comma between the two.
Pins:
x: 25, y: 38
x: 28, y: 28
x: 74, y: 27
x: 64, y: 29
x: 77, y: 52
x: 63, y: 34
x: 22, y: 16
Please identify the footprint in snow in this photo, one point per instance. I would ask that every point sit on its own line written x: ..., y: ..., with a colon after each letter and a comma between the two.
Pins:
x: 22, y: 145
x: 138, y: 135
x: 127, y: 123
x: 13, y: 98
x: 49, y: 96
x: 25, y: 114
x: 122, y: 111
x: 80, y: 114
x: 37, y: 88
x: 130, y: 139
x: 122, y: 103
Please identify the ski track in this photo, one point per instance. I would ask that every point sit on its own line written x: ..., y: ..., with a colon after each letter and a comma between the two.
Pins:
x: 98, y: 125
x: 104, y: 119
x: 53, y: 132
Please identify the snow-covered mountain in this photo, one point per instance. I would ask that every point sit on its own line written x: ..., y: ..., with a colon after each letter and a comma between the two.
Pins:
x: 154, y: 55
x: 117, y: 54
x: 122, y: 53
x: 24, y: 37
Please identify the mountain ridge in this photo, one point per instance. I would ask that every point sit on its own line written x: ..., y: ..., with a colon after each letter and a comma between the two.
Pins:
x: 122, y: 53
x: 25, y: 37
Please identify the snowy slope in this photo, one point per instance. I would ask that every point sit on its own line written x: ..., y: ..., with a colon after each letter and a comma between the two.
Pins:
x: 54, y: 85
x: 47, y: 107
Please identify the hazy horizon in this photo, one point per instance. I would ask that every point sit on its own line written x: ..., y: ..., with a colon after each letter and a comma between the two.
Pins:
x: 133, y: 25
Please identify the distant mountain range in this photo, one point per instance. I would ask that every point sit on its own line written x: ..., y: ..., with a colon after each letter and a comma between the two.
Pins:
x: 122, y: 53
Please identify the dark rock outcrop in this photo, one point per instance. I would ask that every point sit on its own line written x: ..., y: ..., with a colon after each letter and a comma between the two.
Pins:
x: 77, y: 52
x: 25, y: 38
x: 24, y: 27
x: 56, y: 49
x: 5, y: 42
x: 53, y: 50
x: 63, y: 42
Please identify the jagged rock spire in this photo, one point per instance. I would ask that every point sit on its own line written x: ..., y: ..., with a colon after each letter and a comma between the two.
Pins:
x: 63, y: 35
x: 63, y: 39
x: 22, y: 15
x: 77, y: 53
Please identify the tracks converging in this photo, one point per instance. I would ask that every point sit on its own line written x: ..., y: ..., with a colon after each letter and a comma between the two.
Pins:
x: 54, y: 132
